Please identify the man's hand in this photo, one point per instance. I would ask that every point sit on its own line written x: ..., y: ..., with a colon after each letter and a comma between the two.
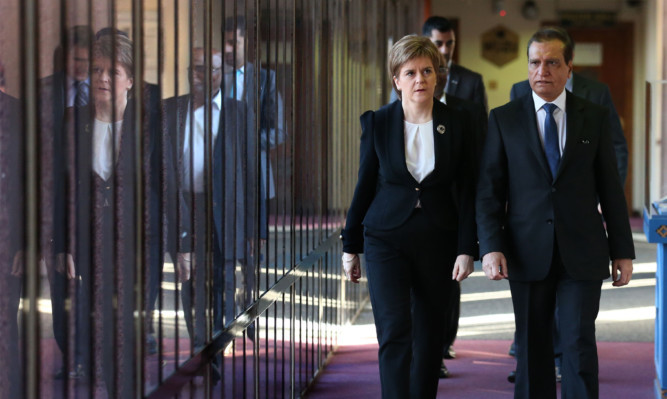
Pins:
x: 185, y: 263
x: 462, y: 267
x: 352, y: 267
x: 65, y: 264
x: 494, y: 265
x: 624, y: 266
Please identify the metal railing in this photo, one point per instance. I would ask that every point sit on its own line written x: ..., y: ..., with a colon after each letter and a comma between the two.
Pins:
x: 172, y: 229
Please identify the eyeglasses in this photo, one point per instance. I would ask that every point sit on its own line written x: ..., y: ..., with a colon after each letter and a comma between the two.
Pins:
x: 201, y: 69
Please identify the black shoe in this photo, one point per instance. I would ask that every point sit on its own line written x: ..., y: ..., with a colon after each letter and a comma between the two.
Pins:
x: 151, y: 344
x: 444, y: 373
x: 450, y: 353
x: 250, y: 332
x: 512, y: 351
x: 215, y: 375
x: 512, y: 377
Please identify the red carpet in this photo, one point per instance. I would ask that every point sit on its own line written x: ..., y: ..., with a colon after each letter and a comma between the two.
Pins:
x: 480, y: 371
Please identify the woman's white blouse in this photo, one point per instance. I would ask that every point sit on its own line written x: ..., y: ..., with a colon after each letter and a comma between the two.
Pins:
x: 102, y: 135
x: 419, y: 152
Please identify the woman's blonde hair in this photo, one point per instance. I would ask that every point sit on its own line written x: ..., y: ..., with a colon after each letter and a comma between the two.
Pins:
x: 408, y: 48
x: 113, y: 44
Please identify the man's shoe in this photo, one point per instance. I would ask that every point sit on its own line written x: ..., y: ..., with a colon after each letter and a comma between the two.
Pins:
x: 250, y: 332
x: 450, y: 353
x: 512, y: 377
x: 444, y: 373
x: 151, y: 344
x: 512, y: 351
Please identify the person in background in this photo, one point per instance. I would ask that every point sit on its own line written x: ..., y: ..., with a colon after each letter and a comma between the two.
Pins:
x: 67, y: 87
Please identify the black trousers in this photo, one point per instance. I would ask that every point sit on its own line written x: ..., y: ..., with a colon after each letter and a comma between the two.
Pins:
x: 409, y: 275
x: 577, y: 303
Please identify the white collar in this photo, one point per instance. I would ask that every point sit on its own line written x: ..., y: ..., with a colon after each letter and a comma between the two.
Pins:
x: 559, y: 101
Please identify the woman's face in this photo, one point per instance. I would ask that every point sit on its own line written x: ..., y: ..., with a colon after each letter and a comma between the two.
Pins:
x: 416, y: 80
x: 109, y: 81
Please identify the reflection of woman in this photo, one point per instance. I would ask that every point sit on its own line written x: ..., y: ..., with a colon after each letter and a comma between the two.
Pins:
x: 412, y: 214
x: 104, y: 210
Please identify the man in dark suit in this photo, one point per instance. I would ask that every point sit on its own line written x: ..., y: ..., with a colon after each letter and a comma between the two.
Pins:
x: 476, y: 125
x: 193, y: 126
x: 239, y: 83
x: 461, y: 81
x: 598, y: 93
x: 547, y: 161
x: 68, y: 86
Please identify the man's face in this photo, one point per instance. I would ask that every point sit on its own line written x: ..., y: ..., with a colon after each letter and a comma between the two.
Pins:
x: 77, y: 63
x: 547, y: 70
x: 234, y: 43
x: 198, y: 70
x: 445, y: 42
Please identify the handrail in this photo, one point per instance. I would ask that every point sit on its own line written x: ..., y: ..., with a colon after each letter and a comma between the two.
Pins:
x: 223, y: 338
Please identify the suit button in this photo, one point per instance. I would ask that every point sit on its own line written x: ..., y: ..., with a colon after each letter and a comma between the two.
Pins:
x: 549, y: 221
x: 416, y: 188
x: 553, y: 189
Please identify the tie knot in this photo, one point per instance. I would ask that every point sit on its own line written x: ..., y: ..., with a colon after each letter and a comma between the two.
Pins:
x: 550, y: 108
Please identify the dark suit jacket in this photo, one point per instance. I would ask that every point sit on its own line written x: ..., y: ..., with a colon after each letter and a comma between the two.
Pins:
x: 520, y: 210
x: 271, y: 120
x: 466, y: 84
x: 74, y: 207
x: 478, y: 121
x: 598, y: 93
x: 234, y: 181
x: 386, y: 192
x: 11, y: 181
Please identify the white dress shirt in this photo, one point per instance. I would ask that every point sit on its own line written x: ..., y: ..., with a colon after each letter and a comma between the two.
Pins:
x: 194, y: 150
x: 103, y: 132
x: 419, y: 152
x: 559, y: 116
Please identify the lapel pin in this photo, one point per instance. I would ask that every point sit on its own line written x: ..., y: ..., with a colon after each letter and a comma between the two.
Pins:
x: 441, y: 129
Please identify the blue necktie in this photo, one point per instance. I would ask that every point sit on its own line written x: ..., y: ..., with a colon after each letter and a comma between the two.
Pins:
x: 551, y: 147
x: 81, y: 96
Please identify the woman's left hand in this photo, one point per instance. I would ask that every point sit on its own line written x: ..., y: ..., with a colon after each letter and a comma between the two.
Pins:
x: 462, y: 267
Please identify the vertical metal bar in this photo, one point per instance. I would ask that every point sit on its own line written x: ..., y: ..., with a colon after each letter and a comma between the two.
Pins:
x: 30, y: 65
x: 179, y: 216
x: 163, y: 210
x: 140, y: 206
x: 208, y: 146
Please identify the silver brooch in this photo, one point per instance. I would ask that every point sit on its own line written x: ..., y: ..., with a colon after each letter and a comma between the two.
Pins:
x: 441, y: 129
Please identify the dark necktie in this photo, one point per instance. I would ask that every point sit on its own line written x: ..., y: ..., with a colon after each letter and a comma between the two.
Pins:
x: 81, y: 97
x: 551, y: 147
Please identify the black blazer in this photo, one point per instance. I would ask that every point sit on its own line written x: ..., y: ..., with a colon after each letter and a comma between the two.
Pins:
x: 11, y: 180
x: 520, y: 210
x: 598, y: 93
x: 386, y: 192
x: 478, y: 120
x: 466, y: 84
x: 234, y: 181
x: 74, y: 200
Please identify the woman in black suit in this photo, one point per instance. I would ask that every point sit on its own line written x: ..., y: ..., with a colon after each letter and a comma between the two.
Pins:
x: 103, y: 199
x: 412, y: 215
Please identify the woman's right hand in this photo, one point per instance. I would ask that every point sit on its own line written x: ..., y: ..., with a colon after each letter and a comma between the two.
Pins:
x: 351, y: 267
